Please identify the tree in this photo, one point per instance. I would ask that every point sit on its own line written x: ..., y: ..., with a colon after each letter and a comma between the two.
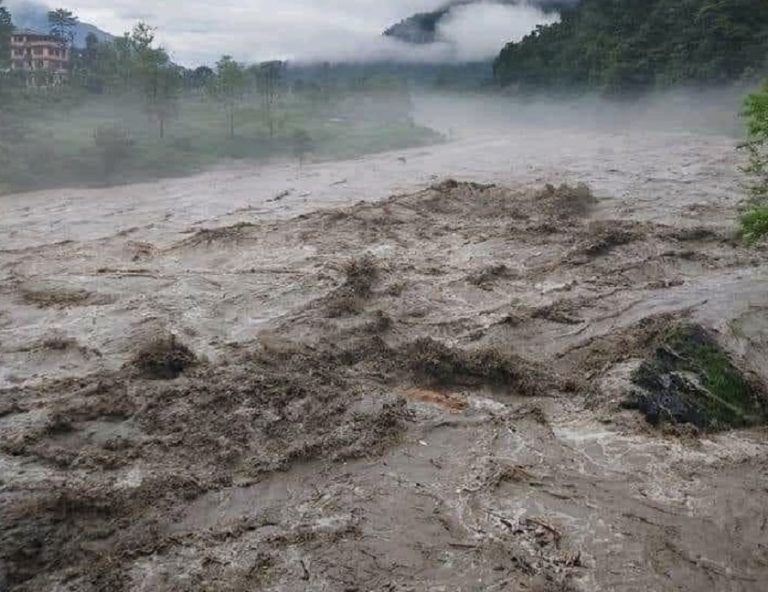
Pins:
x: 227, y: 87
x: 269, y: 77
x: 6, y: 28
x: 103, y: 67
x: 61, y: 25
x: 154, y: 74
x: 302, y: 145
x: 200, y: 77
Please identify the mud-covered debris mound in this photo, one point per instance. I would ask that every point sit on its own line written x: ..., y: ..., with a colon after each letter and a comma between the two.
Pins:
x: 485, y: 278
x: 217, y: 424
x: 360, y: 276
x: 690, y: 379
x: 604, y: 236
x: 441, y: 364
x: 450, y: 184
x: 54, y: 297
x: 163, y: 358
x: 566, y: 200
x: 222, y: 235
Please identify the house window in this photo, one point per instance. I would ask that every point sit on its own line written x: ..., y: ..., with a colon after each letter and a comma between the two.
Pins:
x: 38, y: 51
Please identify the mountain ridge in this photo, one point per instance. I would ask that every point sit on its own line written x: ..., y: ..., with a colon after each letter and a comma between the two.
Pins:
x: 27, y: 14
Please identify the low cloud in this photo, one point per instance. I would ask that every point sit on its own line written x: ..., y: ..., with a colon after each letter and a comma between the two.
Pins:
x: 479, y: 31
x: 196, y: 32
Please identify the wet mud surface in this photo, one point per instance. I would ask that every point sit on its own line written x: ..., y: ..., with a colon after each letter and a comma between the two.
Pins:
x: 421, y: 391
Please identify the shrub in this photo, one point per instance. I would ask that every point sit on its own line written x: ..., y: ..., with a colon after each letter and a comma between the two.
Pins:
x: 756, y: 113
x: 754, y: 221
x: 361, y: 274
x: 114, y: 145
x: 754, y: 224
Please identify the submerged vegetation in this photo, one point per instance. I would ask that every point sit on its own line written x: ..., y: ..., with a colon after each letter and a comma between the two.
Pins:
x: 163, y: 358
x: 691, y: 379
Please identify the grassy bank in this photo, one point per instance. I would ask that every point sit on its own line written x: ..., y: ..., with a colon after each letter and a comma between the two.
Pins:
x: 51, y: 141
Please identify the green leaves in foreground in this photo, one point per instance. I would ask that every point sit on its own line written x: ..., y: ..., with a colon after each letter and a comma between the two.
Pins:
x: 754, y: 221
x: 754, y: 224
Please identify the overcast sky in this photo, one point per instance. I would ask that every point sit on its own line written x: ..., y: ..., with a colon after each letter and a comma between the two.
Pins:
x: 199, y: 31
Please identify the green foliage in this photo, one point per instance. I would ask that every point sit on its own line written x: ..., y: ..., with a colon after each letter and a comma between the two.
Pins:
x: 227, y: 86
x: 200, y: 77
x: 754, y: 221
x: 756, y: 114
x: 269, y: 80
x: 153, y: 73
x: 636, y: 45
x: 6, y: 28
x: 691, y: 379
x: 754, y: 224
x: 61, y: 24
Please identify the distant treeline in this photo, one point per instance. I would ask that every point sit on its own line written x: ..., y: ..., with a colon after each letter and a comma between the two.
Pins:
x: 625, y: 46
x: 417, y: 76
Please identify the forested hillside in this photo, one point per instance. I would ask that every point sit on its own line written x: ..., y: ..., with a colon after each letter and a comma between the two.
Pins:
x: 634, y: 45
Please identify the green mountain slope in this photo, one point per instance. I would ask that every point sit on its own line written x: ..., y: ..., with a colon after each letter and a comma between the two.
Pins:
x: 634, y: 45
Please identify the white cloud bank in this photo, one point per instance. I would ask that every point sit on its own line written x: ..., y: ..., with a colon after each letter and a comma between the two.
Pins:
x: 199, y: 31
x: 479, y: 31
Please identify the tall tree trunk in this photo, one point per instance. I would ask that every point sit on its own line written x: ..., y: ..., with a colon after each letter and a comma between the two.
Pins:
x: 270, y: 121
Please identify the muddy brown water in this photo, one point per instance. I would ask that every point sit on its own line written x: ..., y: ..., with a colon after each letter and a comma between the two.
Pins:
x: 303, y: 453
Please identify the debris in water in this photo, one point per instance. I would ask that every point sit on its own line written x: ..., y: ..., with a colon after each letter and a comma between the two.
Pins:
x: 444, y: 365
x: 567, y: 201
x: 449, y: 401
x: 280, y: 196
x: 164, y: 358
x: 485, y: 277
x: 361, y: 274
